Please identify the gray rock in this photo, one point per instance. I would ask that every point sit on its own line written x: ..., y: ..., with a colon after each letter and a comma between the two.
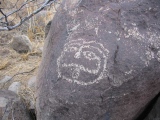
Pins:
x: 21, y: 44
x: 32, y: 82
x: 3, y: 102
x: 5, y: 79
x: 15, y: 87
x: 40, y: 50
x: 11, y: 107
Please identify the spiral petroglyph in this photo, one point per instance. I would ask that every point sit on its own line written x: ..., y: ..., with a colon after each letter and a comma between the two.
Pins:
x: 82, y: 62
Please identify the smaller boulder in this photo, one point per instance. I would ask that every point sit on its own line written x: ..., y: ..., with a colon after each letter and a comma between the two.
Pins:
x: 5, y: 79
x: 12, y: 107
x: 21, y: 44
x: 15, y: 87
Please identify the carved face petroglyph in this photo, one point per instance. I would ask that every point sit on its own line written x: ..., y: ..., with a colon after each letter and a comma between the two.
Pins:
x: 82, y: 62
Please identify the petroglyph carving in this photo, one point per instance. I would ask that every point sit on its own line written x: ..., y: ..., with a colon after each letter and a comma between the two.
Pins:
x: 82, y: 62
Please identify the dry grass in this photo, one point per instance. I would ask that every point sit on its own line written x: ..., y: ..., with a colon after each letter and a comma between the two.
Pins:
x: 12, y: 63
x: 28, y: 95
x: 4, y: 64
x: 36, y: 27
x: 19, y: 65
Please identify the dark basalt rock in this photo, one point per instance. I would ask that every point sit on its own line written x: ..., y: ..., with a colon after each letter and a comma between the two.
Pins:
x: 11, y: 107
x: 101, y: 60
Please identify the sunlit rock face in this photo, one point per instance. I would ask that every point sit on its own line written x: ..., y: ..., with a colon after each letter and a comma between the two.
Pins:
x: 101, y: 60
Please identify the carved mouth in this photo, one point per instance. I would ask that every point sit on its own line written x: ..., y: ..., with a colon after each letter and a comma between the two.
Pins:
x: 81, y: 67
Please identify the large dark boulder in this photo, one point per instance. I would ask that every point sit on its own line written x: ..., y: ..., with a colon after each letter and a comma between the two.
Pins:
x: 101, y: 60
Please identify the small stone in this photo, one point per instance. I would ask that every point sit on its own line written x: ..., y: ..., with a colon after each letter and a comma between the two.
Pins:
x: 3, y: 102
x: 41, y: 49
x: 15, y: 87
x: 5, y: 79
x: 21, y: 44
x: 32, y: 82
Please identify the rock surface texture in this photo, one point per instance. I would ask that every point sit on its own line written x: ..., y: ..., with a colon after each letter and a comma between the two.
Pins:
x: 11, y: 107
x: 21, y: 44
x: 15, y: 87
x: 101, y: 60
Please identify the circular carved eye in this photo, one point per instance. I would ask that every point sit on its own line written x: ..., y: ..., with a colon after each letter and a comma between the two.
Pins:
x: 89, y: 55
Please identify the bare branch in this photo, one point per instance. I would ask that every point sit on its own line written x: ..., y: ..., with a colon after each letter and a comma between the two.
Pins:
x: 4, y: 19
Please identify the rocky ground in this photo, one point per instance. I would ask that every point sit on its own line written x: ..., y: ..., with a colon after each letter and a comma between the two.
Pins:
x: 20, y: 56
x: 18, y: 67
x: 15, y: 67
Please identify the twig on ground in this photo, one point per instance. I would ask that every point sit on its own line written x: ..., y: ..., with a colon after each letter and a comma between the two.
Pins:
x: 5, y: 16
